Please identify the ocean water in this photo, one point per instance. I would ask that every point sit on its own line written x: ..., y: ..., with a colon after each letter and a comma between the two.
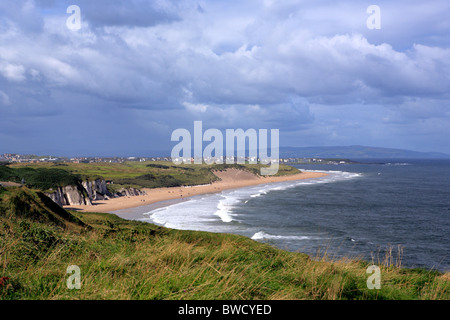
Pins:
x: 358, y: 210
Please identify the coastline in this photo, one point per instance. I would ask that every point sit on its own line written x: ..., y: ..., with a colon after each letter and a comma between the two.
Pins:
x: 230, y: 179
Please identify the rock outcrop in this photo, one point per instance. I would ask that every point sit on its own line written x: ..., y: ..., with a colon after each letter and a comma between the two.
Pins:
x: 129, y: 192
x: 97, y: 190
x: 88, y: 191
x: 70, y: 195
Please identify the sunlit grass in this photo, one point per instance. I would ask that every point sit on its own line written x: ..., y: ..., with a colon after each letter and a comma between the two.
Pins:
x: 152, y: 174
x: 121, y: 259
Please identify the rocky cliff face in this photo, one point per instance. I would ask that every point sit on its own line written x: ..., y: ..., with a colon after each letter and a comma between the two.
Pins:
x: 129, y: 192
x: 97, y: 190
x: 70, y: 195
x: 88, y: 191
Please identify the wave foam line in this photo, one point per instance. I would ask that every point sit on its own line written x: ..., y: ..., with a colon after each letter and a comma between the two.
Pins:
x: 261, y: 235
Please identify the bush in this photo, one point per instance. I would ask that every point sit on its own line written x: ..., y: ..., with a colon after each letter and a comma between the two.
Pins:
x: 151, y: 181
x: 155, y: 165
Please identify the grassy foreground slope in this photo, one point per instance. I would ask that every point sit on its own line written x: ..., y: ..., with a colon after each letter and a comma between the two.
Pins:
x: 122, y: 259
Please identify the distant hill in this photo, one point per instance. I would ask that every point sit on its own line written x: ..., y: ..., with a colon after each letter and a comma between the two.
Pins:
x: 357, y: 152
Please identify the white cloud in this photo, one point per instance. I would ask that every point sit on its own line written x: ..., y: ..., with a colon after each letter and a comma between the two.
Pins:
x: 195, y: 108
x: 12, y: 71
x: 283, y: 57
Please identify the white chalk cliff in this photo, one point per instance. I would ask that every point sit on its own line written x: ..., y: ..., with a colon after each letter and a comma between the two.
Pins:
x: 88, y: 191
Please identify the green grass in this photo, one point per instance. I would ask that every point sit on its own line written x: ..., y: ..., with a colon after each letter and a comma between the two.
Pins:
x: 135, y: 174
x: 40, y: 177
x: 33, y: 205
x: 122, y: 259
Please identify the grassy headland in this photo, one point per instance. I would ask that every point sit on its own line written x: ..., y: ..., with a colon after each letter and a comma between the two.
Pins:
x: 42, y: 178
x: 134, y: 174
x: 122, y: 259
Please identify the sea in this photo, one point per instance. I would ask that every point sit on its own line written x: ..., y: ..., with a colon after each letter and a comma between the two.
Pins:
x: 389, y: 211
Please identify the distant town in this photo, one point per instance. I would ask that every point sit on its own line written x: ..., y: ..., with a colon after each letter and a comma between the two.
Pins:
x: 27, y: 158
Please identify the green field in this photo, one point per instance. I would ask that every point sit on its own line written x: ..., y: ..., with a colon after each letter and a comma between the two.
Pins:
x: 134, y: 174
x: 122, y: 259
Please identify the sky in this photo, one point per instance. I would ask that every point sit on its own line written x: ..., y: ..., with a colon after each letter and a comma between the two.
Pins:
x: 137, y: 70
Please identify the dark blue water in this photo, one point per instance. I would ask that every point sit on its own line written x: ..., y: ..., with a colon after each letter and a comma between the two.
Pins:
x: 359, y: 211
x: 403, y: 203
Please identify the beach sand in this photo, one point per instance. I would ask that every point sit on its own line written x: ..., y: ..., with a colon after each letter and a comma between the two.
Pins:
x: 230, y: 179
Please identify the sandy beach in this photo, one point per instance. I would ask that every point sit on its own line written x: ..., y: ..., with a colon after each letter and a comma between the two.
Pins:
x: 230, y: 179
